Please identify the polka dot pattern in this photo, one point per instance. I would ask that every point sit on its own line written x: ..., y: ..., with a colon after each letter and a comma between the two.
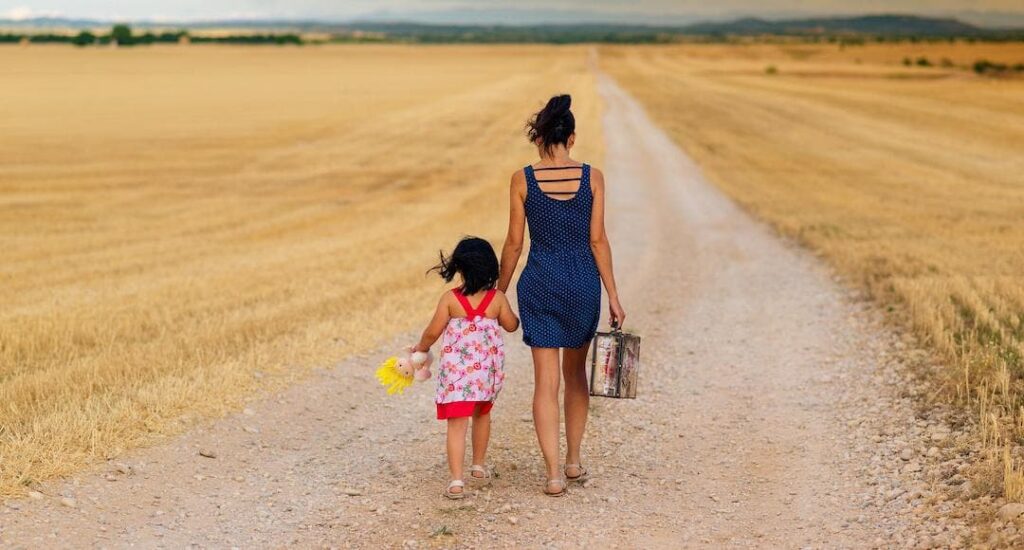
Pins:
x: 560, y: 290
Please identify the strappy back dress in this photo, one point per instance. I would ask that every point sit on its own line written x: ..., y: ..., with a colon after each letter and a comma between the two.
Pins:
x: 559, y: 290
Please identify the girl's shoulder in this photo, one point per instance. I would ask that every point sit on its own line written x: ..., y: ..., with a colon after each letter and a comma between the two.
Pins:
x: 499, y: 302
x: 499, y: 297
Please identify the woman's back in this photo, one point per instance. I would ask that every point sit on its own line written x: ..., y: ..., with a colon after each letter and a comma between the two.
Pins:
x: 558, y: 216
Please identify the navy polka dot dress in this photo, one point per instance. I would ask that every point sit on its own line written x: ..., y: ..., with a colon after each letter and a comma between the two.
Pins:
x: 560, y: 289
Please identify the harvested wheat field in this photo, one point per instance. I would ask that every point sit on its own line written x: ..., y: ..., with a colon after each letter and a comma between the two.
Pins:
x: 907, y: 179
x: 193, y: 225
x: 182, y: 226
x: 770, y: 414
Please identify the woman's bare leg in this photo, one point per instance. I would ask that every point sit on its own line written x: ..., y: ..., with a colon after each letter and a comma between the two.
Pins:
x: 456, y: 447
x: 546, y: 377
x: 577, y: 403
x: 481, y: 435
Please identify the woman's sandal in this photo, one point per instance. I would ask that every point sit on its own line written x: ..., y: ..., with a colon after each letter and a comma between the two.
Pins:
x: 584, y: 474
x: 562, y: 487
x: 453, y: 484
x: 484, y: 477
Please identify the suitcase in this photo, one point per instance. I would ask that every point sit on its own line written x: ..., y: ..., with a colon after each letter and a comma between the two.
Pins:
x: 615, y: 364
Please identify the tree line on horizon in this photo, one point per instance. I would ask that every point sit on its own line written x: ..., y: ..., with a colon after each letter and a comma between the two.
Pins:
x: 122, y: 35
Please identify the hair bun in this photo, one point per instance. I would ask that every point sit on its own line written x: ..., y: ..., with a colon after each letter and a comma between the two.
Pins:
x: 559, y: 105
x: 553, y: 124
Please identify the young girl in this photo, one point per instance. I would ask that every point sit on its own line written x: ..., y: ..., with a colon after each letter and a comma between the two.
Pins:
x: 471, y: 370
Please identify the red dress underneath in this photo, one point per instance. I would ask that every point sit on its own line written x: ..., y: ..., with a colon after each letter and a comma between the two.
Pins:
x: 458, y: 409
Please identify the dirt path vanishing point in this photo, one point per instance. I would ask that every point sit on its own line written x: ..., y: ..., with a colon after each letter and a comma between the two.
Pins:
x: 767, y: 418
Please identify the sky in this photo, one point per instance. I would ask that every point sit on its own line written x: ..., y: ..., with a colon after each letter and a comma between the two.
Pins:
x: 341, y: 10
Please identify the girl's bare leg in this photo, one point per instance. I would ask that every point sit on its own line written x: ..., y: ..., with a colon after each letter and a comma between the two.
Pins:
x: 456, y: 447
x: 577, y: 403
x: 546, y: 377
x: 481, y: 435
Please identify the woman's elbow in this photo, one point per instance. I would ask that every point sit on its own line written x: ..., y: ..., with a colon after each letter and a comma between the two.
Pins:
x: 599, y: 242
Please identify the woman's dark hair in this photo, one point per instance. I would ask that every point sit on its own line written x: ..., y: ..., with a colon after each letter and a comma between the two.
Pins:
x: 553, y: 124
x: 474, y: 259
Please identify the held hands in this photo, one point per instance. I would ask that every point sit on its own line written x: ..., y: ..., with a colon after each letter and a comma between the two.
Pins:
x: 617, y: 315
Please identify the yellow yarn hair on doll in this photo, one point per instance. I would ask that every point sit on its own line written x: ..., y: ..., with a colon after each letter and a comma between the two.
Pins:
x: 391, y: 375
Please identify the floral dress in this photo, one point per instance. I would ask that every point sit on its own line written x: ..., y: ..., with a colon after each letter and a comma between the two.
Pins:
x: 471, y: 371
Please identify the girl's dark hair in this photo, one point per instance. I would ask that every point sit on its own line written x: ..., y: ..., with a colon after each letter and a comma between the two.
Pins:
x: 474, y: 259
x: 553, y: 124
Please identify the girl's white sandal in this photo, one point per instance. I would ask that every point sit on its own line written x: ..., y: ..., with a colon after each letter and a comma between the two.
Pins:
x: 453, y: 484
x: 477, y: 468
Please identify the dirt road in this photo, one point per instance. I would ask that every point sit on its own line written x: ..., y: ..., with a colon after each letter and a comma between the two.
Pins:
x: 767, y: 418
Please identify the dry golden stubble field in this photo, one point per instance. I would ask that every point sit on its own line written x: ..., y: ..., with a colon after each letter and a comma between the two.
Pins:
x: 907, y: 179
x: 183, y: 226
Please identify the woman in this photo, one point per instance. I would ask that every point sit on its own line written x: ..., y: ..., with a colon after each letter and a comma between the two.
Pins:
x: 560, y: 289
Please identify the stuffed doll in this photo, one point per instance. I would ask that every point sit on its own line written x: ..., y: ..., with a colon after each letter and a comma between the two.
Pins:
x: 398, y: 373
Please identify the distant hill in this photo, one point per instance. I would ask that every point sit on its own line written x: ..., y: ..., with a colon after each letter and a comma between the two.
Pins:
x: 888, y: 26
x: 74, y: 23
x: 883, y: 25
x: 51, y: 22
x: 992, y: 19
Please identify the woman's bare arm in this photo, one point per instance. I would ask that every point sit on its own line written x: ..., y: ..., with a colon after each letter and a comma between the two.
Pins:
x: 603, y: 249
x: 506, y: 317
x: 436, y: 326
x: 513, y: 248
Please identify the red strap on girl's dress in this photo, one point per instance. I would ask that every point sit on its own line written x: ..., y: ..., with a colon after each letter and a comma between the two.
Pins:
x: 481, y: 309
x: 462, y: 300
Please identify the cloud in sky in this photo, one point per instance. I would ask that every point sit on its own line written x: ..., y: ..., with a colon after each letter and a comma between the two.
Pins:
x: 347, y: 9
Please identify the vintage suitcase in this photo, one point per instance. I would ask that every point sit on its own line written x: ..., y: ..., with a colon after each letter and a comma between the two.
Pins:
x: 615, y: 364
